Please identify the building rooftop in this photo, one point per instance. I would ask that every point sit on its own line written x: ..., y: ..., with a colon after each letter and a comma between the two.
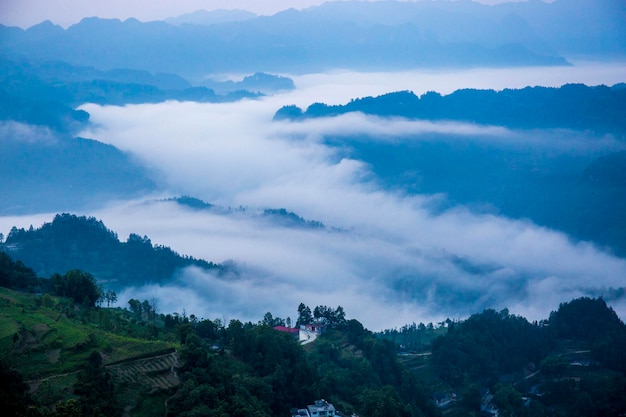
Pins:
x: 286, y: 329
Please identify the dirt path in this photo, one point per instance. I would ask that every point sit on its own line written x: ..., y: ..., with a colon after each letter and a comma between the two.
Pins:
x: 34, y: 384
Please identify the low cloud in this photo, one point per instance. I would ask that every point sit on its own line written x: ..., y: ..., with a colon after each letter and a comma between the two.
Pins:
x: 16, y: 132
x: 408, y: 265
x: 385, y: 256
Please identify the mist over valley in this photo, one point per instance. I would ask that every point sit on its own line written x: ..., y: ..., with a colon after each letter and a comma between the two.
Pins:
x: 374, y: 208
x: 421, y: 217
x: 429, y: 219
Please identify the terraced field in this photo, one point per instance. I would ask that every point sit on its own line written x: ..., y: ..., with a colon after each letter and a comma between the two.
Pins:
x: 155, y: 373
x: 143, y: 381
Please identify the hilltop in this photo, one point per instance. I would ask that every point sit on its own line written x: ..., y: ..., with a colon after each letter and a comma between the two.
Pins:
x: 79, y: 242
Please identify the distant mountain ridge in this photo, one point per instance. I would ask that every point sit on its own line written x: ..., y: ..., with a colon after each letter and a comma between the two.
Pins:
x: 214, y: 17
x: 44, y: 168
x: 278, y: 217
x: 352, y: 35
x: 71, y: 85
x: 574, y: 106
x: 43, y: 172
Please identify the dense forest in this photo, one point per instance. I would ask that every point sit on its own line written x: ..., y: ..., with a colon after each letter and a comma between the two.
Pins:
x: 107, y: 360
x: 574, y: 106
x: 78, y: 242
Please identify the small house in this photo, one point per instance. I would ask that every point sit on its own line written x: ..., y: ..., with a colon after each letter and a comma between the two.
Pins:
x: 321, y: 408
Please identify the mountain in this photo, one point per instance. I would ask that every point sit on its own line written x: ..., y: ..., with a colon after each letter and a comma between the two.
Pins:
x: 44, y: 167
x: 552, y: 167
x: 57, y: 85
x: 214, y: 17
x: 563, y: 27
x: 41, y: 172
x: 278, y: 217
x: 73, y: 242
x: 258, y: 82
x: 34, y: 110
x: 352, y: 35
x: 572, y: 106
x: 286, y: 218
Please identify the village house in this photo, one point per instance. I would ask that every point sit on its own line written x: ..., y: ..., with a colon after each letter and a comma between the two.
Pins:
x: 306, y: 333
x: 317, y: 328
x: 320, y: 408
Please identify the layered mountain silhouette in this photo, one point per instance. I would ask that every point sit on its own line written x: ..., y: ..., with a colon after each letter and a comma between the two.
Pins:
x: 574, y: 106
x: 354, y: 35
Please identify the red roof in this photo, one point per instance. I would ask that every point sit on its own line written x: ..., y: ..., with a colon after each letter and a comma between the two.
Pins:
x: 286, y: 329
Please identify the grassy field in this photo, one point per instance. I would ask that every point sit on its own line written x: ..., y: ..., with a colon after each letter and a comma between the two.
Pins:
x: 49, y: 339
x: 44, y: 336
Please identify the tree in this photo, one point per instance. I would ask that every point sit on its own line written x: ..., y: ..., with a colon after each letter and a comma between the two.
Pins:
x: 78, y: 285
x: 154, y: 303
x: 149, y: 310
x: 591, y: 320
x: 95, y: 389
x: 69, y: 408
x: 14, y: 395
x: 47, y: 301
x: 15, y: 275
x: 486, y: 345
x: 135, y: 307
x: 110, y: 297
x: 381, y: 402
x: 304, y: 315
x: 507, y: 399
x: 340, y: 316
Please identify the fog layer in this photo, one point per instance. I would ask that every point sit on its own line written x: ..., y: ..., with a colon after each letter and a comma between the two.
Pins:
x: 387, y: 257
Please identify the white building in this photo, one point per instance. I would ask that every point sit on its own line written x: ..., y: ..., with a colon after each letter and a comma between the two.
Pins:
x: 321, y: 408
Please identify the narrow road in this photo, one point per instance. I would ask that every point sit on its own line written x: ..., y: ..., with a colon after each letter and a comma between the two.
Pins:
x: 307, y: 337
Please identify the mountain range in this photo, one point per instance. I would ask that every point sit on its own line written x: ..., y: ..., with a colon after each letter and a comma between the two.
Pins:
x: 44, y: 167
x: 355, y: 35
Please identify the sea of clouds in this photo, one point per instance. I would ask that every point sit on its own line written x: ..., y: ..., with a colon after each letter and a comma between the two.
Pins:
x: 388, y: 257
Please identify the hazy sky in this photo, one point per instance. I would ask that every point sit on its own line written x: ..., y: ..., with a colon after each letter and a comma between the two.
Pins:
x: 25, y: 13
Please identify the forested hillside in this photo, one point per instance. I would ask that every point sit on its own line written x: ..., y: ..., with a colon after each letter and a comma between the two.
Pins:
x: 63, y: 357
x: 573, y: 106
x: 78, y: 242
